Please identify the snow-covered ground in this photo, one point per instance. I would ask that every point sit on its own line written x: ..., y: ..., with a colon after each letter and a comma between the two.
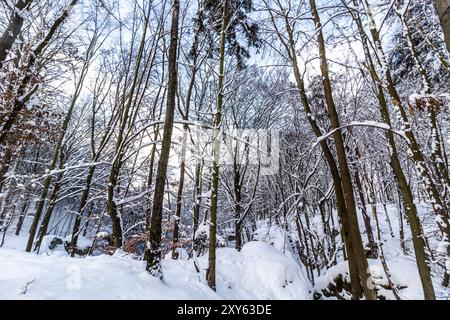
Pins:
x: 259, y: 271
x: 264, y: 269
x: 403, y: 274
x: 402, y: 266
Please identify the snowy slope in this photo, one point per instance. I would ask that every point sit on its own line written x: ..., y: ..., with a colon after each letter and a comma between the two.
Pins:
x: 403, y: 271
x: 259, y: 272
x: 264, y: 269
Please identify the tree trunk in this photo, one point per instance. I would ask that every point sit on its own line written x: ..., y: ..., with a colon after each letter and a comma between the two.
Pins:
x: 23, y: 212
x: 237, y: 208
x: 48, y: 213
x: 366, y: 217
x: 391, y: 285
x: 414, y: 150
x: 175, y: 237
x: 179, y: 200
x: 211, y: 271
x: 404, y: 188
x: 48, y: 179
x: 154, y: 227
x: 19, y: 104
x: 197, y: 194
x: 13, y: 29
x: 5, y: 163
x: 443, y: 10
x: 128, y: 108
x: 79, y: 213
x: 340, y: 202
x: 363, y: 267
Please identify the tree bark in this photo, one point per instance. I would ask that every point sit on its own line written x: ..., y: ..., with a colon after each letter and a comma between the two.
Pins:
x: 178, y: 210
x: 404, y: 188
x: 48, y: 211
x: 361, y: 261
x: 20, y: 102
x: 237, y: 207
x: 443, y: 10
x: 79, y: 213
x: 56, y: 151
x: 356, y: 288
x: 197, y: 193
x: 13, y: 29
x: 211, y: 271
x: 154, y: 227
x: 179, y: 200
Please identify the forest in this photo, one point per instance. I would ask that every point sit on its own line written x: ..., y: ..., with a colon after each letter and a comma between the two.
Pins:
x: 225, y: 149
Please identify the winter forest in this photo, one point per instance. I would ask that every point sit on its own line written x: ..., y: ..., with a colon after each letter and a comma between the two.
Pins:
x: 225, y: 149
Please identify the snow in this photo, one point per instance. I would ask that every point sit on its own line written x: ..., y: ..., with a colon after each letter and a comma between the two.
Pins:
x: 403, y: 271
x: 48, y: 248
x: 202, y: 231
x: 266, y: 268
x: 374, y: 124
x: 101, y: 277
x: 274, y: 235
x: 259, y: 271
x: 102, y: 234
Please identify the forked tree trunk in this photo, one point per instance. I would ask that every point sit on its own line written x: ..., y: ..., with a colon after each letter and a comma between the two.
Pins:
x: 361, y: 261
x: 356, y: 287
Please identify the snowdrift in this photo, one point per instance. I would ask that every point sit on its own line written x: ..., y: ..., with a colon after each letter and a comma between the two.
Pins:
x: 404, y: 276
x: 259, y: 271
